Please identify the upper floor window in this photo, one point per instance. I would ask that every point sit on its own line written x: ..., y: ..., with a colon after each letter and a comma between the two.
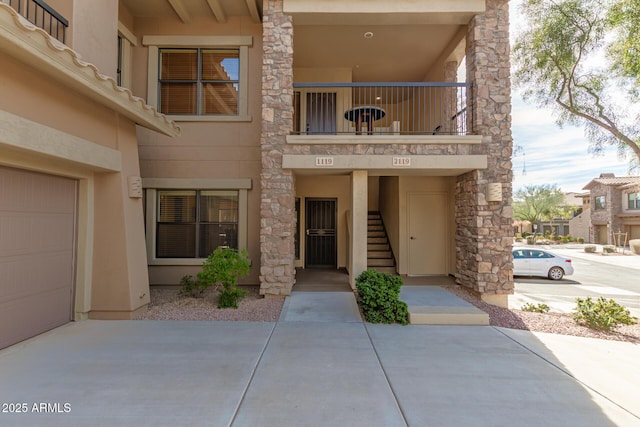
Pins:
x: 633, y: 200
x: 599, y: 202
x: 199, y: 78
x: 199, y: 81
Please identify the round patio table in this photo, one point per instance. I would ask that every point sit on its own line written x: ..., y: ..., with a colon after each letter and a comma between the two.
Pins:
x: 364, y: 113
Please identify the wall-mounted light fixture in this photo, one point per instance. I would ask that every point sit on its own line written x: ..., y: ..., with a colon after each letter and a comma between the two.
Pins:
x: 494, y: 192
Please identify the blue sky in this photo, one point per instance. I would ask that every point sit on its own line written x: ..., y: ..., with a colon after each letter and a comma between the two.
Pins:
x: 553, y: 155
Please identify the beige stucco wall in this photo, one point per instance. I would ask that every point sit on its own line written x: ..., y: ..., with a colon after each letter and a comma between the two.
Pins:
x: 94, y: 32
x: 209, y: 149
x: 330, y: 187
x: 52, y: 129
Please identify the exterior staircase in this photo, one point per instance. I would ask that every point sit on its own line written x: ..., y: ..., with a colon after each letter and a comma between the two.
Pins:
x: 379, y: 255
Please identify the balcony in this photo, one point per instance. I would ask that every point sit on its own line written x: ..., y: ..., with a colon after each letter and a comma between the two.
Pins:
x: 41, y: 15
x: 367, y: 110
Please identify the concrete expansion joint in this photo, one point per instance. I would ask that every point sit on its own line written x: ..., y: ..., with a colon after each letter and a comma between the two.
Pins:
x: 386, y: 376
x: 253, y: 373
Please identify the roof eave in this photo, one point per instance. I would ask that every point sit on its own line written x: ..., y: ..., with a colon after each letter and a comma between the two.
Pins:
x: 32, y: 45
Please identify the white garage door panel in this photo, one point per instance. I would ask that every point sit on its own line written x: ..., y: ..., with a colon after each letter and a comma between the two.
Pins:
x: 37, y: 243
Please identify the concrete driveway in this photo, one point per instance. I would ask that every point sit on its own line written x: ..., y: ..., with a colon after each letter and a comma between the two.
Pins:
x: 314, y: 371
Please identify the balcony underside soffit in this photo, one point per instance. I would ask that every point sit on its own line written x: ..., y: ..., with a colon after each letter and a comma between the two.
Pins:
x: 186, y: 10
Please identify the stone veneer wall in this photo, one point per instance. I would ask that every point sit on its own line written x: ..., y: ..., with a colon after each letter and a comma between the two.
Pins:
x: 277, y: 206
x: 612, y: 204
x: 484, y: 232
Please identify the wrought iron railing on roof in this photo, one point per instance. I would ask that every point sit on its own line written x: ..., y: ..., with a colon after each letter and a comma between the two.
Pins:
x: 381, y: 108
x: 41, y: 15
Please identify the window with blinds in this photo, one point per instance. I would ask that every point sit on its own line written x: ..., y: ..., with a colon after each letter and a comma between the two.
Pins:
x: 193, y: 223
x: 199, y: 81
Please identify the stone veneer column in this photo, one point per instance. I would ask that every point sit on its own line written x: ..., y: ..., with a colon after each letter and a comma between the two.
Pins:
x: 277, y: 206
x: 484, y: 234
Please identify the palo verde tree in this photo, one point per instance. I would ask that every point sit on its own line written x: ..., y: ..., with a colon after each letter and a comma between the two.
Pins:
x: 581, y: 58
x: 535, y: 203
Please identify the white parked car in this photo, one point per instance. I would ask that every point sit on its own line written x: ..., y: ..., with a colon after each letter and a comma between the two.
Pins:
x: 538, y: 262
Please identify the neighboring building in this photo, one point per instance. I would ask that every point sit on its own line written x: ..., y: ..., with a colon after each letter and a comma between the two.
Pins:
x: 298, y: 118
x: 580, y: 225
x: 615, y: 208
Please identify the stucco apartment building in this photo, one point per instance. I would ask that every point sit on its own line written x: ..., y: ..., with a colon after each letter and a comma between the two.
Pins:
x: 136, y: 136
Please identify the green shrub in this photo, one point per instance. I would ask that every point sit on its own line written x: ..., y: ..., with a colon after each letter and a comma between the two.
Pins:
x: 581, y: 240
x: 191, y: 288
x: 535, y: 308
x: 378, y: 296
x: 602, y: 314
x: 223, y: 268
x: 608, y: 249
x: 590, y: 249
x: 531, y: 240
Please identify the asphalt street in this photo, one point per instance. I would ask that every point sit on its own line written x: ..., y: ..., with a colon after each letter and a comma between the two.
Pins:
x: 611, y: 276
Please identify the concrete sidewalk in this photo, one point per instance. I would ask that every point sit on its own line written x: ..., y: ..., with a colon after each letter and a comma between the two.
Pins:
x: 305, y: 372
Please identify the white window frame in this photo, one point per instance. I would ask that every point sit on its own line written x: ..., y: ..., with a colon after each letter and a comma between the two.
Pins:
x: 152, y: 185
x: 625, y: 201
x: 129, y: 41
x: 155, y: 43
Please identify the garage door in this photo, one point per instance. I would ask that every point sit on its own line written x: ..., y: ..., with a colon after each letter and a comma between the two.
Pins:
x: 633, y: 232
x: 37, y: 248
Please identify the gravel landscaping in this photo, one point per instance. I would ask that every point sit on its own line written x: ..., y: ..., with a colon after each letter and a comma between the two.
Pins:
x: 167, y: 304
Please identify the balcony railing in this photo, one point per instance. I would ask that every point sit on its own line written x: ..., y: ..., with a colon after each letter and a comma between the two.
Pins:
x: 41, y: 15
x: 381, y: 109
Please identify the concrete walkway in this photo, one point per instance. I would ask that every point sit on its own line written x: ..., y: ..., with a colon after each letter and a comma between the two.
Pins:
x: 315, y: 367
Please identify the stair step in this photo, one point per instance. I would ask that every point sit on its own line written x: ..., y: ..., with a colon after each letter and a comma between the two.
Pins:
x: 374, y: 221
x: 375, y: 228
x: 379, y: 254
x: 376, y: 234
x: 447, y: 316
x: 384, y: 262
x: 373, y: 217
x: 376, y: 240
x: 378, y: 247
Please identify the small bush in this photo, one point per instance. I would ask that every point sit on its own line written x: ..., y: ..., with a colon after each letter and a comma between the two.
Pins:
x: 537, y: 308
x: 581, y: 240
x: 531, y: 240
x: 191, y: 288
x: 602, y: 314
x: 223, y: 268
x: 378, y: 296
x: 608, y: 249
x: 591, y: 249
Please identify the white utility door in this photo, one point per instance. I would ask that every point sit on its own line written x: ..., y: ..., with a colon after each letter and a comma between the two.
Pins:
x: 427, y: 227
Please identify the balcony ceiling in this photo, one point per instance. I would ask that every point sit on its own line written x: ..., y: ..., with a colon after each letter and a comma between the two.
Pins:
x: 395, y: 53
x: 185, y: 10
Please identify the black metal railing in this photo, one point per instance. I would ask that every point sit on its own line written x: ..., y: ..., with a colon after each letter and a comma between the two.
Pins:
x: 381, y: 108
x: 41, y: 15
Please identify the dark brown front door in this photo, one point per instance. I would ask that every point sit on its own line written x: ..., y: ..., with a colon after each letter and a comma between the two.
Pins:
x: 320, y: 233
